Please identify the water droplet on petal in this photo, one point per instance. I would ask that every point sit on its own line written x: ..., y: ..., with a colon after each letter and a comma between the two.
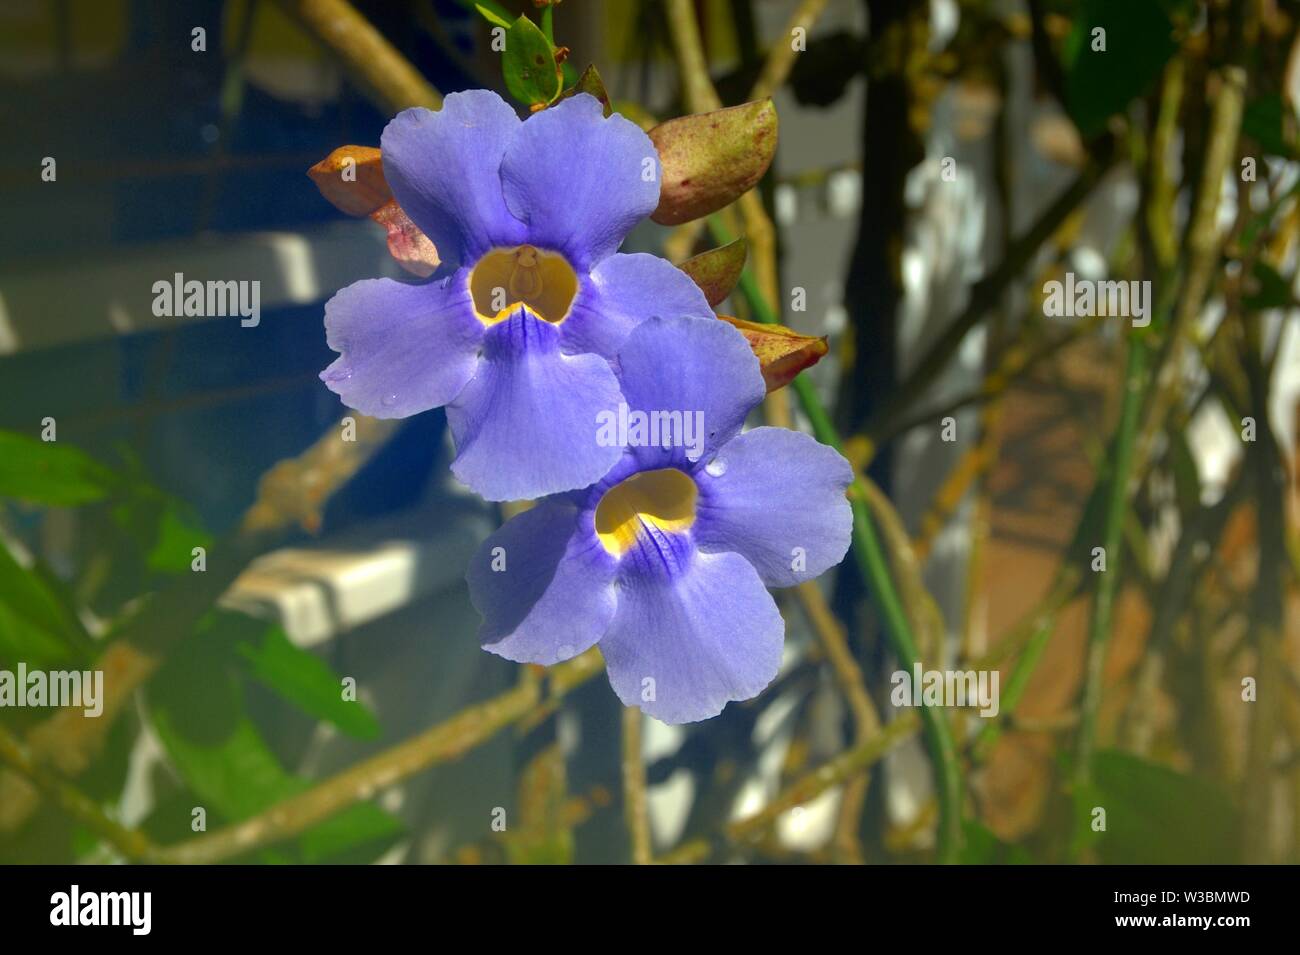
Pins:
x: 716, y: 468
x: 388, y: 401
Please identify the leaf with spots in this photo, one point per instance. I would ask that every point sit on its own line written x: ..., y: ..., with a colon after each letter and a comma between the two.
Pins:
x: 528, y: 63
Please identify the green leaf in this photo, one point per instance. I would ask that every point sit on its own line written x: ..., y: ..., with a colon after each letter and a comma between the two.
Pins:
x: 304, y: 679
x: 529, y: 64
x: 196, y: 706
x: 1098, y: 84
x: 37, y: 626
x: 164, y: 528
x: 1155, y: 815
x: 493, y: 13
x: 1270, y: 290
x: 589, y: 82
x: 177, y: 535
x: 980, y: 846
x: 1262, y: 120
x: 234, y: 772
x: 45, y: 472
x: 718, y: 270
x: 360, y: 826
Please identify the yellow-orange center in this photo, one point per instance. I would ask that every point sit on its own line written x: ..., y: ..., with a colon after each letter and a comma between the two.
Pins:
x: 504, y: 279
x: 663, y: 499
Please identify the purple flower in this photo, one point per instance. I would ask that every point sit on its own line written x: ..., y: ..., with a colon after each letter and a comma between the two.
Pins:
x: 665, y: 561
x: 515, y: 334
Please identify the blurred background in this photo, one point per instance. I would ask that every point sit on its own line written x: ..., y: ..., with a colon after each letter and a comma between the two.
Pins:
x: 939, y: 164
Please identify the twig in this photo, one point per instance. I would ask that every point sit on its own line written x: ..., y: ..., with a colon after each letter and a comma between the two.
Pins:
x: 987, y: 292
x: 1203, y: 249
x: 1123, y: 451
x: 387, y: 76
x: 846, y: 845
x: 1268, y: 612
x: 697, y: 88
x: 132, y: 844
x: 701, y: 97
x: 1017, y: 361
x: 635, y: 809
x: 780, y: 59
x: 439, y: 744
x: 834, y: 773
x: 874, y: 567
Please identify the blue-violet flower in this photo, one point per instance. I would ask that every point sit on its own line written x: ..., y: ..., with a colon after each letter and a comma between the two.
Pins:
x: 515, y: 333
x: 665, y: 561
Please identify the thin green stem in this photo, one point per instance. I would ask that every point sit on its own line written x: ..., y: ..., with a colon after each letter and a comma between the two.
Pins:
x: 1021, y: 674
x: 1112, y: 541
x: 874, y: 566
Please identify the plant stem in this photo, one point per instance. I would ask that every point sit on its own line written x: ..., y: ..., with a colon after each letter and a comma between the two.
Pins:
x: 387, y: 76
x: 635, y: 809
x: 131, y: 843
x: 833, y: 773
x: 780, y: 59
x: 874, y: 567
x: 1112, y: 542
x: 548, y: 23
x: 442, y: 743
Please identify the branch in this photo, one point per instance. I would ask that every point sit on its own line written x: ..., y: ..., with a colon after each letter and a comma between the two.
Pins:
x: 866, y: 723
x: 834, y: 773
x: 635, y: 810
x: 988, y: 292
x: 697, y: 88
x: 388, y: 77
x: 130, y: 843
x: 442, y: 743
x: 780, y: 59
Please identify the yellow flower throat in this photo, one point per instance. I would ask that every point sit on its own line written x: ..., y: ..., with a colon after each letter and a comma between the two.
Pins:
x: 504, y: 279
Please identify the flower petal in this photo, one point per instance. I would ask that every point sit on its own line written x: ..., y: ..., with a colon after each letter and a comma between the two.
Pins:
x: 705, y: 636
x: 444, y: 169
x: 545, y: 588
x: 403, y: 348
x: 580, y: 181
x: 776, y: 497
x: 526, y: 425
x: 691, y: 365
x: 623, y: 291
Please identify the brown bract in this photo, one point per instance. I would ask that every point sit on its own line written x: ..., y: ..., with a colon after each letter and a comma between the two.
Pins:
x: 711, y: 159
x: 352, y: 179
x: 406, y: 243
x: 782, y: 352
